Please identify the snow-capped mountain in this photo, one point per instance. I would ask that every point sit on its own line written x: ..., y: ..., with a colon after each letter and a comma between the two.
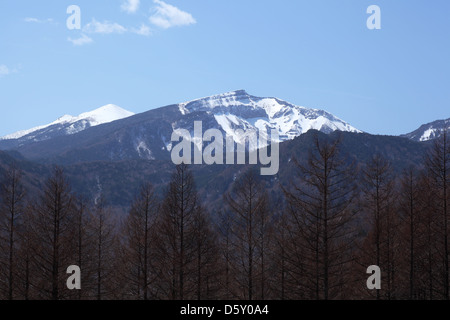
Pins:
x: 148, y: 135
x: 68, y: 125
x: 239, y: 110
x: 429, y: 131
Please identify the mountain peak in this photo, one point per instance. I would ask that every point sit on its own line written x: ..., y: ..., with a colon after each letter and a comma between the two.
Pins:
x: 238, y: 109
x: 69, y: 124
x: 429, y: 131
x: 240, y: 92
x: 235, y: 114
x: 109, y: 108
x: 105, y: 114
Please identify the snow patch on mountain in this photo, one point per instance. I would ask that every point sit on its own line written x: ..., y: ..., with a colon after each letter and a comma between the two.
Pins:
x: 429, y: 131
x: 239, y: 110
x: 144, y: 151
x: 428, y: 134
x: 74, y: 124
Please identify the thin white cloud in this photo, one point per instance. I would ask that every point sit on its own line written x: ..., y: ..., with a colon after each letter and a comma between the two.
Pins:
x: 167, y: 16
x: 4, y: 70
x: 143, y: 31
x: 35, y: 20
x: 84, y: 39
x: 104, y: 27
x: 130, y: 6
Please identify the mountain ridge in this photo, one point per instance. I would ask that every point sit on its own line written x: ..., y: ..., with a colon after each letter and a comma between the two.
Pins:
x: 120, y: 180
x: 68, y: 124
x: 148, y: 135
x: 429, y: 131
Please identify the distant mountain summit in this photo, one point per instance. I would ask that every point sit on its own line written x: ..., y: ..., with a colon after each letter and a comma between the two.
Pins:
x: 68, y: 125
x: 95, y: 136
x: 429, y: 131
x: 239, y: 110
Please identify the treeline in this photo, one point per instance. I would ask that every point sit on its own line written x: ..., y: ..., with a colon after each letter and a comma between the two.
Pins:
x: 333, y: 221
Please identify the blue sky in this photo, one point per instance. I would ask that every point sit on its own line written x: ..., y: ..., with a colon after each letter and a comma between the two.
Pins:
x: 150, y: 53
